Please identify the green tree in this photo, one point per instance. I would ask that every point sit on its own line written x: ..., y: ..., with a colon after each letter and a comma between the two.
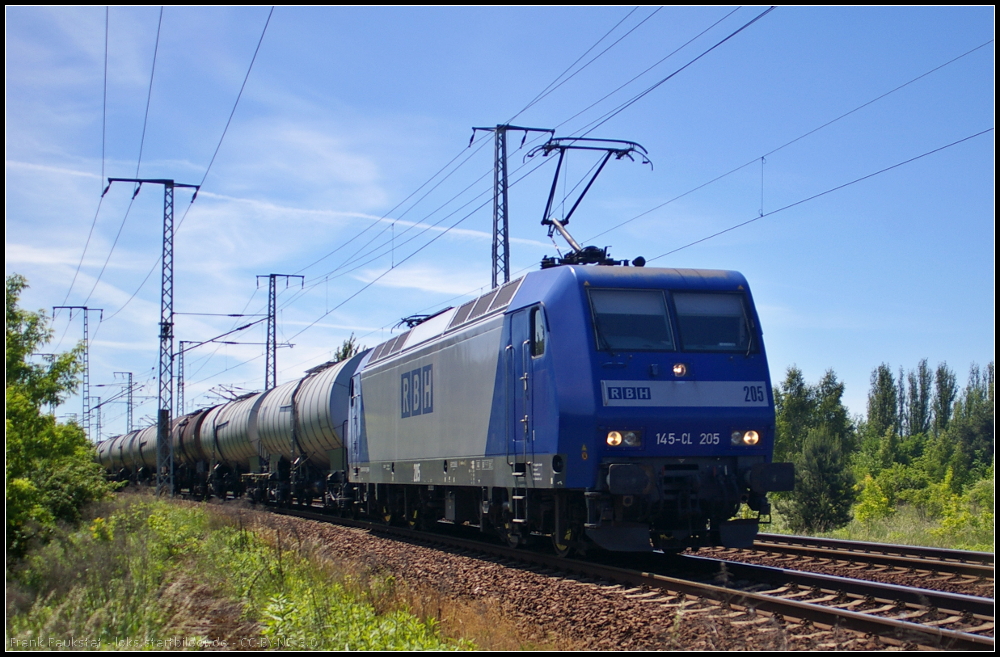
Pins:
x: 824, y: 485
x: 918, y: 399
x: 795, y: 408
x: 800, y: 407
x: 830, y: 410
x: 965, y: 445
x: 349, y: 348
x: 972, y: 430
x: 883, y: 410
x: 50, y: 469
x: 945, y: 390
x: 813, y: 430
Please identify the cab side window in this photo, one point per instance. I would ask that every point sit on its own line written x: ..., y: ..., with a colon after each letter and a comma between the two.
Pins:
x: 537, y: 331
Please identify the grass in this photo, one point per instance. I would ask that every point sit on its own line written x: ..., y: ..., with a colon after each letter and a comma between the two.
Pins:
x: 906, y: 526
x: 146, y: 573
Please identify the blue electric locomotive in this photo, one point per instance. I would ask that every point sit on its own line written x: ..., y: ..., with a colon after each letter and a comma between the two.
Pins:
x: 626, y: 407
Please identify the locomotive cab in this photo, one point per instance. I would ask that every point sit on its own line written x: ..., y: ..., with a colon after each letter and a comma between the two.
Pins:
x: 659, y: 396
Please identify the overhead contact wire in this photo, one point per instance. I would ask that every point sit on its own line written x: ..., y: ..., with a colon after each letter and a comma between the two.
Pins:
x: 642, y: 95
x: 218, y: 146
x: 138, y: 163
x: 104, y: 130
x: 650, y: 68
x: 548, y: 90
x: 824, y: 193
x: 796, y: 139
x: 558, y: 81
x: 350, y: 260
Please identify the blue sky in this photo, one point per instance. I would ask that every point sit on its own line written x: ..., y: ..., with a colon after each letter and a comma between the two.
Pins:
x: 349, y: 113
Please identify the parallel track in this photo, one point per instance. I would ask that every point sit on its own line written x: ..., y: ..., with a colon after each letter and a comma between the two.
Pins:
x: 907, y: 557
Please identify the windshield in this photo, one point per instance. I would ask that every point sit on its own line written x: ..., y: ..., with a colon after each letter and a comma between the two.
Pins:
x: 712, y: 322
x: 631, y: 320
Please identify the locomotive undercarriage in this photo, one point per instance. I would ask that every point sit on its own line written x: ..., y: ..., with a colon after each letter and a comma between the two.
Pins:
x: 638, y: 505
x: 671, y: 504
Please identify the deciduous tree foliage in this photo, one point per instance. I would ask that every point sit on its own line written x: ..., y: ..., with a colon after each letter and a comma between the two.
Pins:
x: 50, y: 471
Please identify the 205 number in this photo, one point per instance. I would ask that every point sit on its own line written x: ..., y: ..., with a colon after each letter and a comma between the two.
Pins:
x: 754, y: 394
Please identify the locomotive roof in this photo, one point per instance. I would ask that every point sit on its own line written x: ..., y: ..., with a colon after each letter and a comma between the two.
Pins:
x: 537, y: 285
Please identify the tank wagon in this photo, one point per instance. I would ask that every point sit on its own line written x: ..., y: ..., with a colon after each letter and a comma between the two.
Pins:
x: 629, y: 408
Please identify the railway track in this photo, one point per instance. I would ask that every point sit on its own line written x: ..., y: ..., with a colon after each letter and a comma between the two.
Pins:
x: 933, y: 560
x: 898, y: 615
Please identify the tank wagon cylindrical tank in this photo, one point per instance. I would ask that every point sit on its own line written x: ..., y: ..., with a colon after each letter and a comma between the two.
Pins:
x: 321, y: 407
x: 119, y: 455
x: 142, y: 450
x: 275, y: 422
x: 301, y: 427
x: 104, y: 453
x: 206, y: 435
x: 191, y: 460
x: 188, y: 449
x: 236, y: 432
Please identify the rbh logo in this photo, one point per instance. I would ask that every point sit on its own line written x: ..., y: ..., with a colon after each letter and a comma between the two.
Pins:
x: 416, y: 391
x: 627, y: 392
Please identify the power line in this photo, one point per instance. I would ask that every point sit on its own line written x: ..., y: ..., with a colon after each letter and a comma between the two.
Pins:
x: 650, y: 68
x: 383, y: 274
x: 431, y: 241
x: 238, y: 96
x: 218, y: 146
x: 138, y: 163
x: 553, y: 86
x: 796, y: 139
x: 621, y: 108
x: 398, y: 205
x: 548, y: 89
x: 824, y: 193
x: 104, y: 129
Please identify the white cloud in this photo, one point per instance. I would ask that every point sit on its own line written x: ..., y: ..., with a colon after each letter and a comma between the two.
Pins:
x: 49, y: 169
x: 426, y: 278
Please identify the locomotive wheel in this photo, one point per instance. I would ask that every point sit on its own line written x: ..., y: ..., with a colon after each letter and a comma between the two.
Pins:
x: 387, y: 515
x: 563, y: 545
x: 415, y: 519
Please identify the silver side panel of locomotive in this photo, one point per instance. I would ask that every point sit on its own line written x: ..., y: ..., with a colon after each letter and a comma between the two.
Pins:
x: 433, y: 402
x: 423, y: 401
x: 430, y: 405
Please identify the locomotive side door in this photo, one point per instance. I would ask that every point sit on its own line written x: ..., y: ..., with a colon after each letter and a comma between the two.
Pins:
x: 521, y: 346
x: 353, y: 438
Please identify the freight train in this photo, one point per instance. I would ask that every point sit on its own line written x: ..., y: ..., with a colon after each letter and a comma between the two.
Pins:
x: 624, y: 407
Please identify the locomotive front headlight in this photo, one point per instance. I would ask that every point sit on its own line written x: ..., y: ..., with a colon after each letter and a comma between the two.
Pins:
x: 736, y: 438
x: 680, y: 369
x: 751, y: 437
x: 614, y: 438
x: 632, y: 438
